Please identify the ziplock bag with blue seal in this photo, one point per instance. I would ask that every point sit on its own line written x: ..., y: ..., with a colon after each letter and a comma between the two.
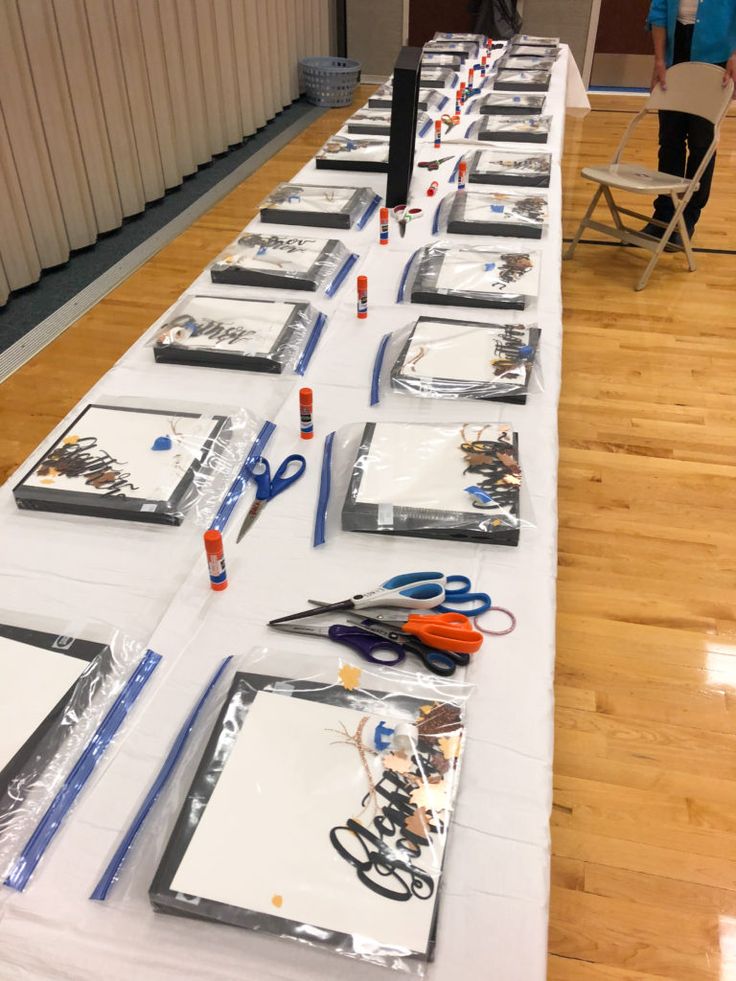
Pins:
x: 66, y: 691
x: 272, y: 336
x: 314, y: 803
x: 324, y: 206
x: 451, y: 274
x: 145, y: 460
x: 458, y: 481
x: 517, y: 214
x: 288, y: 261
x: 454, y: 358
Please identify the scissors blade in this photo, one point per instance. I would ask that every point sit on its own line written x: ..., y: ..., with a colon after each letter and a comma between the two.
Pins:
x: 313, y: 611
x: 312, y: 629
x: 255, y: 510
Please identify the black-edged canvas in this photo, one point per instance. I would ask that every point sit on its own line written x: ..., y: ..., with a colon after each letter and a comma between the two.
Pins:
x: 429, y: 481
x: 114, y: 461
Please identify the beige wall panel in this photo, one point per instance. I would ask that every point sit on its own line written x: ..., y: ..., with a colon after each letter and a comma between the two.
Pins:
x: 18, y: 253
x: 173, y: 66
x: 30, y: 153
x: 139, y: 97
x: 215, y: 116
x: 253, y: 62
x: 375, y: 33
x: 269, y: 57
x: 60, y: 131
x: 180, y: 14
x: 566, y: 19
x: 4, y: 285
x: 160, y: 94
x: 111, y: 102
x: 115, y: 105
x: 86, y: 104
x: 229, y: 87
x: 293, y: 48
x: 245, y: 93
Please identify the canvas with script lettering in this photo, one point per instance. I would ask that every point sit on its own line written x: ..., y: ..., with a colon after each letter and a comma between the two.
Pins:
x: 288, y: 261
x: 119, y: 462
x: 319, y: 814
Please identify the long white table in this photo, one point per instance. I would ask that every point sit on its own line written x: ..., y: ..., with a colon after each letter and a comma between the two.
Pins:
x: 493, y: 914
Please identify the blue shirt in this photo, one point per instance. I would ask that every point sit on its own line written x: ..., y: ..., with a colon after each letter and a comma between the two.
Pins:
x: 714, y: 31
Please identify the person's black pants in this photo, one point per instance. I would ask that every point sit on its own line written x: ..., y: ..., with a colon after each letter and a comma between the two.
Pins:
x: 683, y: 142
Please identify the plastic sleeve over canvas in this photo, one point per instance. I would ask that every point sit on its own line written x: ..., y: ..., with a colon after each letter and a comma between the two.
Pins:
x: 276, y: 337
x: 451, y: 358
x: 99, y: 673
x: 284, y: 261
x: 146, y: 460
x: 459, y: 481
x: 447, y: 273
x: 387, y: 745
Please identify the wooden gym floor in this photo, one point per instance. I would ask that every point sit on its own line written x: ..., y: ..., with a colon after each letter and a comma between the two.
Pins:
x: 644, y: 816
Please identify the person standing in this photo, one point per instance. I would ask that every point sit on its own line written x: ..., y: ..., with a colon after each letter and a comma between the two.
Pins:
x: 688, y: 30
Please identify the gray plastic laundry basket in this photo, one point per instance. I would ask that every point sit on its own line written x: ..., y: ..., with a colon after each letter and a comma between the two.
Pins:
x: 329, y: 81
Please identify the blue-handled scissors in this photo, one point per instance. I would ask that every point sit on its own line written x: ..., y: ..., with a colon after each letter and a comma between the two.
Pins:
x: 457, y: 599
x: 368, y: 642
x: 413, y: 590
x: 268, y: 487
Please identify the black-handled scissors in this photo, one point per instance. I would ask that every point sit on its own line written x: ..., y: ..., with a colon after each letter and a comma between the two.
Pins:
x: 443, y: 663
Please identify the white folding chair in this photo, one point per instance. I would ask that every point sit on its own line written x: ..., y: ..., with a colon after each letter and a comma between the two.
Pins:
x: 692, y: 87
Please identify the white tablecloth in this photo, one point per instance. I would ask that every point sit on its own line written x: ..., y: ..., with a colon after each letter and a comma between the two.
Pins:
x: 493, y: 916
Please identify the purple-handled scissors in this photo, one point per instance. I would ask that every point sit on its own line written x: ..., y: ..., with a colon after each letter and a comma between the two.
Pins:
x: 366, y: 644
x: 376, y: 637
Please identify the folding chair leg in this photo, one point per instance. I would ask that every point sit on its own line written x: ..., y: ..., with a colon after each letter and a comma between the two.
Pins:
x: 583, y: 224
x: 613, y: 209
x: 684, y: 234
x: 678, y: 221
x: 655, y: 257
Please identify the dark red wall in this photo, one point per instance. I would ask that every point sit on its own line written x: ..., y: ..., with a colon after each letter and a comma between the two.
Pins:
x: 428, y: 16
x: 621, y: 29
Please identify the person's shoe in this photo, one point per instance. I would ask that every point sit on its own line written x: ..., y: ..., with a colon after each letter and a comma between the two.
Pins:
x: 653, y: 231
x: 675, y: 242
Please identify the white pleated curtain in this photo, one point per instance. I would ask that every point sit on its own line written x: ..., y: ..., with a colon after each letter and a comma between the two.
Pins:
x: 104, y: 104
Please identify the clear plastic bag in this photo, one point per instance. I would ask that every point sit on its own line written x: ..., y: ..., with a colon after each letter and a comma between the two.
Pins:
x: 518, y: 50
x: 377, y: 122
x: 455, y: 481
x: 430, y: 59
x: 470, y: 276
x: 507, y: 104
x: 323, y: 206
x: 525, y: 63
x: 276, y: 337
x: 518, y: 80
x: 500, y: 213
x: 531, y: 40
x: 453, y: 46
x: 437, y: 77
x: 429, y: 101
x: 510, y: 129
x: 65, y: 690
x: 368, y: 154
x: 447, y: 358
x: 341, y: 781
x: 508, y: 167
x: 479, y: 39
x: 142, y: 460
x: 291, y: 262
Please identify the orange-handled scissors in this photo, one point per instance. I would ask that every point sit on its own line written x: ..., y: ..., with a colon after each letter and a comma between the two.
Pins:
x: 452, y: 632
